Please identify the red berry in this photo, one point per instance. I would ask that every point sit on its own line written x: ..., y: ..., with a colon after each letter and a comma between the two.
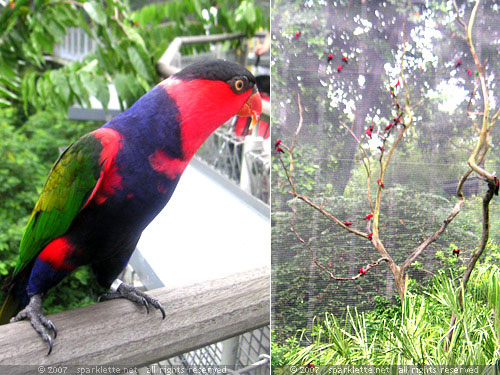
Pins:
x: 330, y: 57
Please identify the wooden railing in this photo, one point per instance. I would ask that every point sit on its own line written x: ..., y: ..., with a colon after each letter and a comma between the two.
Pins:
x: 120, y: 332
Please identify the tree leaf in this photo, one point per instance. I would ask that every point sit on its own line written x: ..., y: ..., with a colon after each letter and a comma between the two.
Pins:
x: 102, y: 92
x: 96, y: 12
x: 8, y: 93
x: 139, y: 65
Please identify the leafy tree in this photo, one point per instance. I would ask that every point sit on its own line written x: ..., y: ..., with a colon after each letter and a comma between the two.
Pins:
x: 324, y: 108
x: 128, y: 45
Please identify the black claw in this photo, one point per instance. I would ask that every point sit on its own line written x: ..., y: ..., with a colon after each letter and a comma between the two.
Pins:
x: 53, y: 327
x: 49, y: 340
x: 133, y: 294
x: 146, y: 304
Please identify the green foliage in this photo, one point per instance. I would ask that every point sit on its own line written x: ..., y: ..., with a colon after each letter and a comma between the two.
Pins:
x: 128, y: 46
x: 78, y: 289
x: 31, y: 30
x: 279, y: 352
x: 248, y: 18
x: 413, y: 333
x: 28, y: 153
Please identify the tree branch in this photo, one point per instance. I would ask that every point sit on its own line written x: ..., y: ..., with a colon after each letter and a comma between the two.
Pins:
x: 323, y: 267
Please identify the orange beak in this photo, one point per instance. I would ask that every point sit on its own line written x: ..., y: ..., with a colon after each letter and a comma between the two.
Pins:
x: 252, y: 108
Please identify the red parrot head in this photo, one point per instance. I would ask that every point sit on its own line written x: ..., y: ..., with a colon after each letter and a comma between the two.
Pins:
x: 207, y: 94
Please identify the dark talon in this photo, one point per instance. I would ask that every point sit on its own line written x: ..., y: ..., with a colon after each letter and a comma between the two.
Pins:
x: 135, y: 295
x: 163, y: 315
x: 53, y: 327
x: 146, y: 304
x: 49, y: 340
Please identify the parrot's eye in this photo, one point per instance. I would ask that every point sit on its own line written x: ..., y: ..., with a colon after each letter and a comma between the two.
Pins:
x: 239, y: 84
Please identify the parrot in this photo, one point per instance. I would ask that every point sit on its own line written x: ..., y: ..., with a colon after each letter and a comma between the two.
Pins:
x: 106, y: 187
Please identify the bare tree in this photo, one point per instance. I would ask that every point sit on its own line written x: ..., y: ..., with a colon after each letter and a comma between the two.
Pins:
x: 391, y: 138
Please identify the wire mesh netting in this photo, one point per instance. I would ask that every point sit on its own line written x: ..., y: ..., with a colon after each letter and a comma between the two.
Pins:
x: 355, y: 74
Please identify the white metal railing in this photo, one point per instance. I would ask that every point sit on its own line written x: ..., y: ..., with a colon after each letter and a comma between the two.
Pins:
x: 75, y: 45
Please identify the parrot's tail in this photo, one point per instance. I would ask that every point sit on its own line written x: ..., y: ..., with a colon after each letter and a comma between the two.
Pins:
x: 10, y: 307
x: 14, y: 301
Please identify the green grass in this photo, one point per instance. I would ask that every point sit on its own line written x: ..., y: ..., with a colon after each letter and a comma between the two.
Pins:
x: 413, y: 333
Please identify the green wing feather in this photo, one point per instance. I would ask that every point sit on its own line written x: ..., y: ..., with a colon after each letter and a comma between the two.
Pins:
x: 71, y: 182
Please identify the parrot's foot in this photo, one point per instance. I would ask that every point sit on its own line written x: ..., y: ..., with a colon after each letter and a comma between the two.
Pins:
x: 135, y: 295
x: 34, y: 312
